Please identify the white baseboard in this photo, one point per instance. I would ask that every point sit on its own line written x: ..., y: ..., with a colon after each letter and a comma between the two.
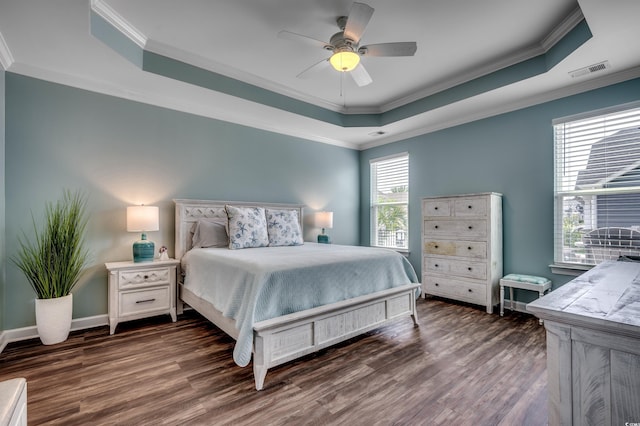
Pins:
x: 25, y: 333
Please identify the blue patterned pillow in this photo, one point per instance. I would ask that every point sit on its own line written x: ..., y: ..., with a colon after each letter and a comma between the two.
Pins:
x: 247, y: 227
x: 283, y: 228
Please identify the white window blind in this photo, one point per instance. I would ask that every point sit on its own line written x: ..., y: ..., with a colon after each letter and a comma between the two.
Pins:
x: 597, y: 187
x: 390, y: 201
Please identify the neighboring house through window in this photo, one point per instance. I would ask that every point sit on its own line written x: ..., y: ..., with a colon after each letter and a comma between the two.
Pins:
x: 390, y: 201
x: 597, y: 186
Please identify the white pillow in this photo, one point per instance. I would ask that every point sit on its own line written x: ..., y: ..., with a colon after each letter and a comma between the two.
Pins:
x: 247, y: 227
x: 210, y: 233
x: 283, y: 228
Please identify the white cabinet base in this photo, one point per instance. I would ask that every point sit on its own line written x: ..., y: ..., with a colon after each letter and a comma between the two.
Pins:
x: 140, y: 290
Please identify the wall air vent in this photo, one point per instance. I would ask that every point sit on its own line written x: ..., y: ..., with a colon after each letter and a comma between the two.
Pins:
x: 590, y: 69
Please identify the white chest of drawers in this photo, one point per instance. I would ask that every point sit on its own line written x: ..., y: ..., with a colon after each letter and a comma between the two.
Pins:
x: 139, y: 290
x: 462, y: 247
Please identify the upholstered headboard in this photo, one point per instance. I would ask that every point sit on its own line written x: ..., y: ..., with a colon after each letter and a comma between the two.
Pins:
x: 189, y: 211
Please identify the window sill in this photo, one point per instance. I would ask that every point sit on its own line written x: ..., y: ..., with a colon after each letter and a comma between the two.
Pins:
x: 569, y: 269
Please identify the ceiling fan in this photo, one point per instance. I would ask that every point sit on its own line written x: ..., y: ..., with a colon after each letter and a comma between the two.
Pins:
x: 346, y: 48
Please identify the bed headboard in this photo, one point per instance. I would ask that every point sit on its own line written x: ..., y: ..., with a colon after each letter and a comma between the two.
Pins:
x: 189, y: 211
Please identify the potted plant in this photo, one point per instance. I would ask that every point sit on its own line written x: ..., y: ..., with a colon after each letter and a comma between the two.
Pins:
x: 53, y: 261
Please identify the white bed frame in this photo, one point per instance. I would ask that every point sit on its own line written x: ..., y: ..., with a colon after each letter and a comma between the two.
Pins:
x: 282, y: 339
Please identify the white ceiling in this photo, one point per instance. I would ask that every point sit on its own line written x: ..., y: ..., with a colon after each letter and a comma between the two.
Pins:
x: 458, y: 41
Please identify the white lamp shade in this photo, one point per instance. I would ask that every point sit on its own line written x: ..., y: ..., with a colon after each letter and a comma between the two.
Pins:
x: 323, y: 220
x: 143, y: 218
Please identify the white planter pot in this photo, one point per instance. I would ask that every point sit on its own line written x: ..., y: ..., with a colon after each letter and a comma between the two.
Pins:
x: 53, y: 319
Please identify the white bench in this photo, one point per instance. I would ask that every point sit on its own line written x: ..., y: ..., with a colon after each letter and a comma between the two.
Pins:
x: 13, y: 402
x: 525, y: 282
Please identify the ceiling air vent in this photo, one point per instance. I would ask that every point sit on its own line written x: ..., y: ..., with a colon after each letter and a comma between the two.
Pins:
x: 590, y: 69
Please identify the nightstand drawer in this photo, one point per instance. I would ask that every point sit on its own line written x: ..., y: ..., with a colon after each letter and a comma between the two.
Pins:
x: 136, y: 302
x: 144, y: 277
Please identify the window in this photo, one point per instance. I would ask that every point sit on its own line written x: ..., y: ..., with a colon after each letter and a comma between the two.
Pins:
x: 597, y: 186
x: 390, y: 201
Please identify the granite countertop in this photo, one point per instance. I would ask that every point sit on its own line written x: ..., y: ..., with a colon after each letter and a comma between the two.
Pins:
x: 607, y: 297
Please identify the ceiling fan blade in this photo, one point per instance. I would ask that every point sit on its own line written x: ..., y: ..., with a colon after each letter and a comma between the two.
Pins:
x: 288, y: 35
x: 403, y: 48
x: 360, y: 75
x: 314, y: 69
x: 357, y: 21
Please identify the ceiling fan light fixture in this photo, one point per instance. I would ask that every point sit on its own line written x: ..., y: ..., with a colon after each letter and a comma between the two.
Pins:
x: 344, y: 61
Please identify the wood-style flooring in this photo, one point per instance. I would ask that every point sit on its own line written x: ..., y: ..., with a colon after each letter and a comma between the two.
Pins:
x: 461, y: 366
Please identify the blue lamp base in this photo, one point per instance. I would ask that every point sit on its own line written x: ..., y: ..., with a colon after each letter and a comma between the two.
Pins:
x: 143, y: 250
x: 323, y: 239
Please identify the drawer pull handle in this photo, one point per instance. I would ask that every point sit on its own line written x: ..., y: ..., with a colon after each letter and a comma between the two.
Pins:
x: 435, y: 208
x: 436, y: 227
x: 470, y: 291
x: 146, y: 300
x: 146, y: 277
x: 437, y: 285
x: 436, y: 265
x: 470, y: 207
x: 470, y: 227
x: 469, y: 248
x: 435, y: 246
x: 469, y: 268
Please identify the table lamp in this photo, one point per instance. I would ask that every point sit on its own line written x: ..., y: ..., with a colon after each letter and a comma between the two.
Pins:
x: 323, y: 220
x: 143, y: 219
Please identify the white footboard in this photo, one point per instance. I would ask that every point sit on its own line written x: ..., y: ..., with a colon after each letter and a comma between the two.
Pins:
x: 292, y: 336
x: 285, y: 338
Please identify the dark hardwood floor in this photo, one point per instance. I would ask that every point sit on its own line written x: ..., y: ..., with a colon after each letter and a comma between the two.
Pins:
x: 461, y: 366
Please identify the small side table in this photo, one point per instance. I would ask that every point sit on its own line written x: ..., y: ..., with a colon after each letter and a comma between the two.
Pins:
x: 140, y: 290
x: 525, y: 282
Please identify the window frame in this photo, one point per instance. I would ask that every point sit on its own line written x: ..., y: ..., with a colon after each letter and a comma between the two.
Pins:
x: 561, y: 265
x: 374, y: 204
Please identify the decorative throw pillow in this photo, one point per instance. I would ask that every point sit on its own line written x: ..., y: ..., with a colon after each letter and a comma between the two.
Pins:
x: 283, y: 228
x: 247, y: 227
x: 210, y: 233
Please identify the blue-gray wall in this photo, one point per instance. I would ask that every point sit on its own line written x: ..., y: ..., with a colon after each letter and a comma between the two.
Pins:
x: 121, y: 152
x: 511, y: 154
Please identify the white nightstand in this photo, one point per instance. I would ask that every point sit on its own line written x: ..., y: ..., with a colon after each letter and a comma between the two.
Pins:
x: 140, y: 290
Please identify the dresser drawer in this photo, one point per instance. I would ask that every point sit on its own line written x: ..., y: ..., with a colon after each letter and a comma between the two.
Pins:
x: 437, y: 208
x: 455, y: 289
x: 143, y: 278
x: 458, y: 267
x: 143, y: 301
x: 470, y: 249
x: 472, y: 206
x: 464, y: 228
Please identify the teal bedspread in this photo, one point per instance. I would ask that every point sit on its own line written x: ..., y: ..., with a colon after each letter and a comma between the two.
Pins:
x: 257, y: 284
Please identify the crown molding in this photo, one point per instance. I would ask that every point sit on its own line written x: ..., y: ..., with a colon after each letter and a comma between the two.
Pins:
x: 6, y: 58
x: 107, y: 13
x: 549, y: 96
x: 196, y: 60
x: 568, y: 24
x: 255, y: 120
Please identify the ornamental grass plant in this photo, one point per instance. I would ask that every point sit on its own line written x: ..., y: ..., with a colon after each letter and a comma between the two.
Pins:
x: 54, y: 259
